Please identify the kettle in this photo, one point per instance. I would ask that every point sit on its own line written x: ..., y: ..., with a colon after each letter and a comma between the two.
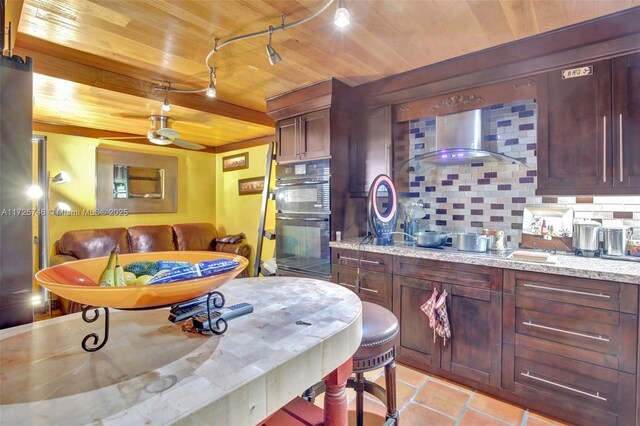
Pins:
x: 586, y: 237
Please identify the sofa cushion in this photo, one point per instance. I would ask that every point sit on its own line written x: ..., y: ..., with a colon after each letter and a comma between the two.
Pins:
x: 88, y: 243
x: 194, y: 236
x: 143, y: 239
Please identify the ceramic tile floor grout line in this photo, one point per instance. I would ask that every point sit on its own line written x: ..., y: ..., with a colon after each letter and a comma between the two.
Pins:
x: 412, y: 399
x: 525, y: 418
x: 492, y: 416
x: 464, y: 409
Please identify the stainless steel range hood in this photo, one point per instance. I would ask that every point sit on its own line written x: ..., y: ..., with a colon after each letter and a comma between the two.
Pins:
x: 460, y: 139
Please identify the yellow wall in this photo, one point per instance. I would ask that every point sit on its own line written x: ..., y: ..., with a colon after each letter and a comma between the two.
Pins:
x: 241, y: 213
x: 205, y: 192
x: 76, y: 156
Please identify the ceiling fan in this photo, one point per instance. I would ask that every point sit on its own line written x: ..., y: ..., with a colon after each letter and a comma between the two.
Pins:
x: 161, y: 133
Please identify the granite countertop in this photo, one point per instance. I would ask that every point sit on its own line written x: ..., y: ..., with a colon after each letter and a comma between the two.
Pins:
x: 151, y: 372
x: 567, y: 264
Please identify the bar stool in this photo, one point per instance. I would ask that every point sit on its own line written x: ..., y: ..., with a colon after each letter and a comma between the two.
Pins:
x: 380, y: 331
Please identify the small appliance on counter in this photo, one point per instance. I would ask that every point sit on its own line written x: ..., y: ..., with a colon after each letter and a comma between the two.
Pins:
x: 614, y: 240
x: 382, y: 210
x: 586, y: 238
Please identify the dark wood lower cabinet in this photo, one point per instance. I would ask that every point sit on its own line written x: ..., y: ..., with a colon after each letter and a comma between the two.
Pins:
x: 562, y: 346
x: 474, y: 351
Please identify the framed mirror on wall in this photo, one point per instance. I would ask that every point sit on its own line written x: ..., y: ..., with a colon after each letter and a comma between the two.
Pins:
x: 137, y: 182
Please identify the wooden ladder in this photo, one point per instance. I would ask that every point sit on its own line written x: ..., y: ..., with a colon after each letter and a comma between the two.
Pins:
x: 267, y: 194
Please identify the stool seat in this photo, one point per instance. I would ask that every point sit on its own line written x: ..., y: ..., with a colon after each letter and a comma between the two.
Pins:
x: 380, y: 331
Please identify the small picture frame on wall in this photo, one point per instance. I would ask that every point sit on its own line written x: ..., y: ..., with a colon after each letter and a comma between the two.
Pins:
x: 253, y: 185
x: 235, y: 162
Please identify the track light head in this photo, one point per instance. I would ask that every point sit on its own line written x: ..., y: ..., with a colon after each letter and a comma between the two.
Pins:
x: 273, y: 56
x: 341, y: 18
x: 211, y: 90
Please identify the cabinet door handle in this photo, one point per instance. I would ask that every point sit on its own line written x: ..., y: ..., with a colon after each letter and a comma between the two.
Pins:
x: 620, y: 149
x: 347, y: 285
x: 604, y: 148
x: 560, y: 330
x: 563, y: 290
x: 373, y: 262
x: 370, y: 290
x: 540, y: 379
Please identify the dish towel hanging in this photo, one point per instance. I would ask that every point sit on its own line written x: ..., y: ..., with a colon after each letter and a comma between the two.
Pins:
x: 436, y: 310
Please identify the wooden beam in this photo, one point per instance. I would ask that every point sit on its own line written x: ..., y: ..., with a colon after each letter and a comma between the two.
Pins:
x: 39, y: 126
x: 83, y: 68
x: 250, y: 143
x: 13, y: 10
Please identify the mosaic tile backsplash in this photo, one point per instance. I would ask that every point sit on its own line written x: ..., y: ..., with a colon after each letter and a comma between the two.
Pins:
x: 470, y: 197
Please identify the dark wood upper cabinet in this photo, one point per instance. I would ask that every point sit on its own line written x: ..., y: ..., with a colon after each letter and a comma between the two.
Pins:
x: 371, y: 151
x: 626, y: 122
x: 305, y: 137
x: 587, y: 130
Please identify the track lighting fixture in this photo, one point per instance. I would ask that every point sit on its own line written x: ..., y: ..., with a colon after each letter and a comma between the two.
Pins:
x: 274, y: 58
x: 341, y: 18
x: 211, y: 90
x: 166, y: 107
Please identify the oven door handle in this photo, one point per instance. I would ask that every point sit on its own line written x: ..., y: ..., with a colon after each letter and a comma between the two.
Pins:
x: 304, y: 182
x: 306, y: 219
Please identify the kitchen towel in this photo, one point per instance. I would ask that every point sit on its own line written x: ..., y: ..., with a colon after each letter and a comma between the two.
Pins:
x: 436, y: 310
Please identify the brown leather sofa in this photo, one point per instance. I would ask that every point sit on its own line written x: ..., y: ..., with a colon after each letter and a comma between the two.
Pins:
x: 88, y: 243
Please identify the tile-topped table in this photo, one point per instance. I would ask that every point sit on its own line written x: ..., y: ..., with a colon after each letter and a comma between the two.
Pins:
x: 151, y: 372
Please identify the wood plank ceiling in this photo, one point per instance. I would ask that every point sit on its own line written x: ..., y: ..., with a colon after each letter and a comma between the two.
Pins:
x: 114, y: 51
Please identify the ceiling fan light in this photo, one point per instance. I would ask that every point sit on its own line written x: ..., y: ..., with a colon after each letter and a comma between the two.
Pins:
x: 274, y: 58
x: 166, y: 107
x: 160, y: 140
x: 341, y: 18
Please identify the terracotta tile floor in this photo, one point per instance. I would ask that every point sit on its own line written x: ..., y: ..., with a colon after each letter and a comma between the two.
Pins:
x: 429, y: 400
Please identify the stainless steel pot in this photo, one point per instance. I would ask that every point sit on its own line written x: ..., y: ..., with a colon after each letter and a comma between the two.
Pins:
x: 430, y: 238
x: 470, y: 241
x: 614, y: 241
x: 586, y: 235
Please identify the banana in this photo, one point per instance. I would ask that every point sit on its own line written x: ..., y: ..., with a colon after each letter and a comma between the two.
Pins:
x: 107, y: 278
x: 119, y: 272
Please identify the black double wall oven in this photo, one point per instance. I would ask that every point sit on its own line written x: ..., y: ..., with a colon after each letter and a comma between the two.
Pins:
x: 303, y: 219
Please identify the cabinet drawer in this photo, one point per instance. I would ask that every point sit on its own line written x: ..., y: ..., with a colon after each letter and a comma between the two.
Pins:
x: 577, y: 291
x: 575, y: 331
x: 378, y: 262
x: 374, y: 287
x: 594, y: 395
x: 455, y: 273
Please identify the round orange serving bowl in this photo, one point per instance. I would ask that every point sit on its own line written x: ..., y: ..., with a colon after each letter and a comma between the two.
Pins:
x: 78, y: 280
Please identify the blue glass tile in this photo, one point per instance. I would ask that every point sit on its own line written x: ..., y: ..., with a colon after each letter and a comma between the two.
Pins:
x: 526, y: 180
x: 414, y: 195
x: 452, y: 176
x: 484, y: 181
x: 429, y: 121
x: 430, y: 189
x: 511, y: 141
x: 458, y: 217
x: 447, y: 183
x: 414, y: 130
x: 491, y: 137
x: 419, y: 135
x: 419, y: 179
x: 504, y: 123
x: 504, y: 187
x: 414, y: 121
x: 441, y: 199
x: 520, y: 200
x: 526, y: 114
x: 418, y: 146
x: 526, y: 126
x: 477, y: 164
x: 441, y: 223
x: 531, y: 146
x: 517, y: 108
x: 427, y: 216
x: 441, y: 211
x: 491, y: 174
x: 414, y: 184
x: 532, y: 173
x: 497, y: 106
